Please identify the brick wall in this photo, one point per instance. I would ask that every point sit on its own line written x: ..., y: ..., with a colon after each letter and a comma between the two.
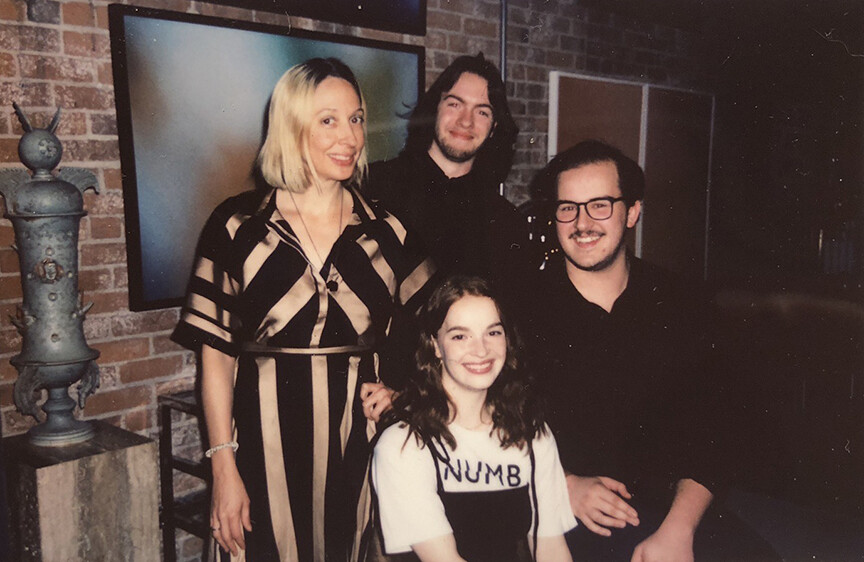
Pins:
x: 57, y: 54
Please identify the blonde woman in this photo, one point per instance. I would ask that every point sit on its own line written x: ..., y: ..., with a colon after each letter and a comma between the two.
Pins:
x: 293, y: 289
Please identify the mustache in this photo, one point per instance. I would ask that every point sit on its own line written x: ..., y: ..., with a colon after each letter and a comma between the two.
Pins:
x: 579, y: 233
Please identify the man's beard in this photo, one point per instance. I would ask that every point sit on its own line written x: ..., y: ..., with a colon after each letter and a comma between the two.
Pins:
x: 453, y: 154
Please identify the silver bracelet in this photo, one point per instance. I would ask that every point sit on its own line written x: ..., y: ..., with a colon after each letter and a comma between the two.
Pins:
x: 232, y: 444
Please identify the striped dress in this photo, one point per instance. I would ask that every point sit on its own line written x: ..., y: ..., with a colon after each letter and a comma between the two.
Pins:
x: 303, y: 350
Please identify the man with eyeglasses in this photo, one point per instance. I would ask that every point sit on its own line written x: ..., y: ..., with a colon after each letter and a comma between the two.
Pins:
x: 623, y: 349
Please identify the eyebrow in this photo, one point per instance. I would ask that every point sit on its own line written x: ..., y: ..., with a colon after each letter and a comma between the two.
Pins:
x: 455, y: 97
x: 323, y: 109
x: 464, y: 329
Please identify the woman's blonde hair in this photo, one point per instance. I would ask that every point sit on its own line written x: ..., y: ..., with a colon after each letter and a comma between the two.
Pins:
x: 284, y: 158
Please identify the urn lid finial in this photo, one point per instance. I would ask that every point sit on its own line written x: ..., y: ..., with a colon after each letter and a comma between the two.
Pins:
x: 39, y: 149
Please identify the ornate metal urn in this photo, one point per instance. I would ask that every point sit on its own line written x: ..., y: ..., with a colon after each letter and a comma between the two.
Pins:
x: 45, y: 211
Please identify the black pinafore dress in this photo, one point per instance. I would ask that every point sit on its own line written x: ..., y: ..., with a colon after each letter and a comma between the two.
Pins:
x: 489, y: 526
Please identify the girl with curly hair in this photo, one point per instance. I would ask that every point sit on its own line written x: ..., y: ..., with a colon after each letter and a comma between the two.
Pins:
x: 469, y: 470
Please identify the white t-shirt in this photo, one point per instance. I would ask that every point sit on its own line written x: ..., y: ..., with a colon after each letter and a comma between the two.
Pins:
x: 411, y: 511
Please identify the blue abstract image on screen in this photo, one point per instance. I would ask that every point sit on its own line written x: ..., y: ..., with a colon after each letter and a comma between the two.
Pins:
x: 198, y: 96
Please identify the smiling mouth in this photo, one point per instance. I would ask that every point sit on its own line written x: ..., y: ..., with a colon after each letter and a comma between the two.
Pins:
x: 342, y: 160
x: 462, y: 136
x: 585, y: 239
x: 482, y: 368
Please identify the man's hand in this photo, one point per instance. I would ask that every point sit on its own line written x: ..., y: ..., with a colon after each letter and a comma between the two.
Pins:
x: 673, y: 541
x: 665, y: 545
x: 597, y: 502
x: 377, y: 399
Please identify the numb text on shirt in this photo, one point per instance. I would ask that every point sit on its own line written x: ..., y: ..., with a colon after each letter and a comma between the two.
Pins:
x: 474, y: 471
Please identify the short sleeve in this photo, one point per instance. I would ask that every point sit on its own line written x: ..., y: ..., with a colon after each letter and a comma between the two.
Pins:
x: 209, y: 315
x: 404, y: 478
x: 553, y: 504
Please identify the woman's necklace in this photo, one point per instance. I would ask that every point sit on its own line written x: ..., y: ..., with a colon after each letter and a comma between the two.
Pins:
x: 333, y: 276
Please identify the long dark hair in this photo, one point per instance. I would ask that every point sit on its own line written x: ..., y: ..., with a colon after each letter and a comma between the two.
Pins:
x: 495, y: 157
x: 424, y: 404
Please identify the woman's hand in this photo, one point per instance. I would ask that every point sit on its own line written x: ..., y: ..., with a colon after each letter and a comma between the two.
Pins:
x: 377, y: 399
x: 597, y: 502
x: 229, y: 506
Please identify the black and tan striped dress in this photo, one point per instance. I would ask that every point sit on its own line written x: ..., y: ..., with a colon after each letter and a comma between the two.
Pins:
x: 303, y: 351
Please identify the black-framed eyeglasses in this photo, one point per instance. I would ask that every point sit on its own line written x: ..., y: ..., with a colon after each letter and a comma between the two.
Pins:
x: 599, y: 209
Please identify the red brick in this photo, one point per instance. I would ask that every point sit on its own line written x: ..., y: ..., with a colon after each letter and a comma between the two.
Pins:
x: 15, y: 10
x: 139, y: 420
x: 38, y: 39
x: 9, y: 39
x: 102, y: 17
x: 9, y: 151
x: 72, y: 123
x: 443, y: 20
x: 99, y: 254
x: 91, y: 151
x: 272, y: 18
x: 118, y: 400
x: 480, y: 28
x: 78, y: 13
x: 112, y: 178
x: 95, y: 327
x: 378, y: 35
x: 103, y: 124
x: 7, y: 65
x: 121, y: 277
x: 110, y: 303
x: 163, y: 344
x: 468, y: 44
x: 27, y: 95
x: 8, y: 309
x: 10, y: 287
x: 106, y: 227
x: 110, y: 202
x: 10, y: 340
x: 175, y: 5
x: 6, y: 394
x: 7, y: 235
x: 154, y: 368
x: 144, y: 322
x: 105, y: 73
x: 95, y: 280
x: 85, y: 97
x: 86, y: 44
x: 122, y: 350
x: 7, y: 371
x: 57, y: 68
x: 9, y: 261
x: 229, y: 12
x: 436, y: 39
x: 109, y: 376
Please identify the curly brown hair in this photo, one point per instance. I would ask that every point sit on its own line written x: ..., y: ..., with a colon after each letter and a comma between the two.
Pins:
x: 424, y: 405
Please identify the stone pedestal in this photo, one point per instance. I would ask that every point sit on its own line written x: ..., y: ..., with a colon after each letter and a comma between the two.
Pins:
x: 97, y: 500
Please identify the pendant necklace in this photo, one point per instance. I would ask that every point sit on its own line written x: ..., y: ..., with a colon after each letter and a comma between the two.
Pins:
x: 333, y: 276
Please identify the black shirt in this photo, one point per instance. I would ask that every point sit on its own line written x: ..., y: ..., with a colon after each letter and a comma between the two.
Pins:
x: 627, y: 389
x: 466, y: 225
